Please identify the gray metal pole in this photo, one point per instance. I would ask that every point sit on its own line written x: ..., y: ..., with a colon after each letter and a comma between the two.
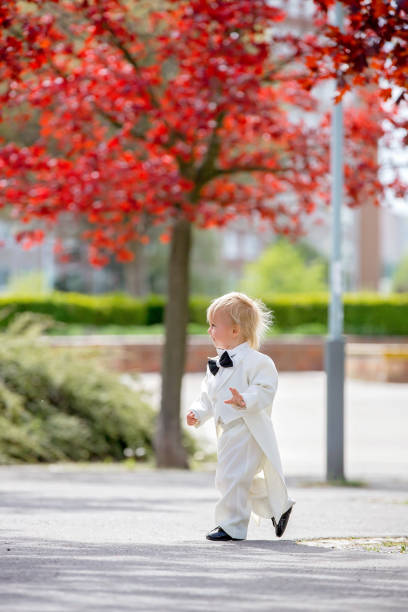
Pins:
x: 334, y: 346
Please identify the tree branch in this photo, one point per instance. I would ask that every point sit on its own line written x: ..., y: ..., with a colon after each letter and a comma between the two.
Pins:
x: 267, y: 78
x: 174, y: 135
x: 116, y: 123
x: 205, y: 171
x: 126, y: 53
x: 254, y: 168
x: 107, y: 116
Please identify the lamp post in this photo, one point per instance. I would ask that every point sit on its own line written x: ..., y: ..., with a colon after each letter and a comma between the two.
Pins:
x: 334, y: 345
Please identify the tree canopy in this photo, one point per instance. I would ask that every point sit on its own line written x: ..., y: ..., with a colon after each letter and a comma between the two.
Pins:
x: 371, y: 47
x: 149, y: 112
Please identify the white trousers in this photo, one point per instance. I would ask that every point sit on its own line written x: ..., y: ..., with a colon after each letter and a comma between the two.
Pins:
x: 240, y: 459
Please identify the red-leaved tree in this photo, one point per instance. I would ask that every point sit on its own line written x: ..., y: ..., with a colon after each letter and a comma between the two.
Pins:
x: 370, y: 48
x: 186, y: 112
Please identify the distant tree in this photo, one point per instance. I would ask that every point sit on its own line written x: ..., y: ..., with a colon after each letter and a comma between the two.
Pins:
x: 282, y: 268
x: 400, y: 276
x: 31, y: 282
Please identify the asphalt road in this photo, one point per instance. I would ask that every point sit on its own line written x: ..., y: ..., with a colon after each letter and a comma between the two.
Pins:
x: 108, y: 538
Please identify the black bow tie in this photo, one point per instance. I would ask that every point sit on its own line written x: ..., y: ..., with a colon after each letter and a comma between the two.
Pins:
x: 225, y: 361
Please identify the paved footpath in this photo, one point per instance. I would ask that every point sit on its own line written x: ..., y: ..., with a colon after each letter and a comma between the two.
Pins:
x: 375, y: 424
x: 110, y: 538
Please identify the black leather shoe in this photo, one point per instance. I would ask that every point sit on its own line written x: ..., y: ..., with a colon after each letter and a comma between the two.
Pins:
x: 219, y: 534
x: 283, y: 521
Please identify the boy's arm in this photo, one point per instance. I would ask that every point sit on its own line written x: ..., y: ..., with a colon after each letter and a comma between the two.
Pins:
x: 202, y: 406
x: 261, y: 391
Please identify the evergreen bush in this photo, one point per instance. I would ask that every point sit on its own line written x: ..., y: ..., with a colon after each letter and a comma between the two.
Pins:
x: 57, y: 406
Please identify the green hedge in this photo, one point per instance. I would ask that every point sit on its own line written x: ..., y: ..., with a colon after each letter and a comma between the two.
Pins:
x: 364, y: 312
x: 118, y: 309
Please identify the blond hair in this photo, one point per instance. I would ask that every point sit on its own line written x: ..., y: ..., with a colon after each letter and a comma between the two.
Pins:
x: 251, y: 314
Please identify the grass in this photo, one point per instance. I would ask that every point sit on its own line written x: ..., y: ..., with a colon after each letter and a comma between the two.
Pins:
x: 392, y: 545
x: 370, y: 544
x: 341, y: 482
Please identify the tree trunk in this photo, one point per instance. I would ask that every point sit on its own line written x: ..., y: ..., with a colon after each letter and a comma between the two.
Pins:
x: 168, y: 447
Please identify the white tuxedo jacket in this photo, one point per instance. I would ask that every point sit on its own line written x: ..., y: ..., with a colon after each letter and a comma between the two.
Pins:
x: 255, y: 376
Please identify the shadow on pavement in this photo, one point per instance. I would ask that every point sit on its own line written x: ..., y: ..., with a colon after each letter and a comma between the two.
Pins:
x: 42, y: 575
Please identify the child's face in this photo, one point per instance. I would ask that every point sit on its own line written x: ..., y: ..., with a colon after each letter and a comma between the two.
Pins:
x: 224, y: 333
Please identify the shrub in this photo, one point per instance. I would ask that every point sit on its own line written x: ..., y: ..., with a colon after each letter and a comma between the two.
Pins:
x: 57, y: 406
x: 364, y: 312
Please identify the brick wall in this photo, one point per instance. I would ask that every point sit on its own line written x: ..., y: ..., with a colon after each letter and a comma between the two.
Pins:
x: 368, y: 358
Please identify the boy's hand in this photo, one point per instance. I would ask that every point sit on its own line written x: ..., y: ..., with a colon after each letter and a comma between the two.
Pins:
x: 236, y: 399
x: 191, y: 418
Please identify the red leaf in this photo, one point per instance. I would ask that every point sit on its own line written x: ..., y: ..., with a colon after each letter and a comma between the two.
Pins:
x: 164, y: 238
x: 124, y: 255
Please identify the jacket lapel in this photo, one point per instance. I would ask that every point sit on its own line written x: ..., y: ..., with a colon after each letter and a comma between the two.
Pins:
x: 219, y: 383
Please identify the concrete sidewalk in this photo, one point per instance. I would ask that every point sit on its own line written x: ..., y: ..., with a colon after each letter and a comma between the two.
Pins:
x: 375, y: 424
x: 107, y: 538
